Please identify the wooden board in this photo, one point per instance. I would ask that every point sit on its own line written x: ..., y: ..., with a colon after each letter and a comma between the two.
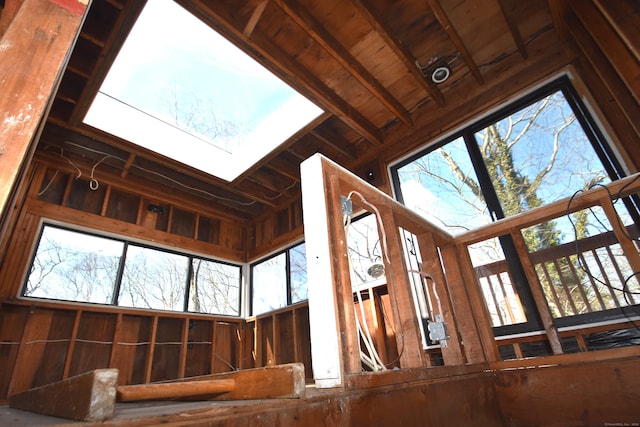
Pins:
x: 279, y: 381
x: 203, y: 389
x: 86, y: 397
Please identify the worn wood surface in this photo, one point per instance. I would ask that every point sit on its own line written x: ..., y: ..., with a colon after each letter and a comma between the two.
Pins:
x: 278, y: 381
x: 86, y: 397
x: 203, y: 389
x: 36, y: 43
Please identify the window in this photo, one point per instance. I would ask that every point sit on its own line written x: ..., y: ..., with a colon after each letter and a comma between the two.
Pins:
x: 179, y: 88
x: 279, y: 281
x: 540, y: 149
x: 75, y: 266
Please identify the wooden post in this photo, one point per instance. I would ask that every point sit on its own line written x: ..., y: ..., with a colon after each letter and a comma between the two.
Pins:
x: 538, y: 293
x: 324, y: 319
x: 452, y: 353
x: 34, y: 50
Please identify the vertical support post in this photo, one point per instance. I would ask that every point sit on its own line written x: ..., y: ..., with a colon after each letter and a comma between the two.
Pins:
x: 34, y: 50
x: 409, y: 339
x: 538, y: 293
x: 327, y: 308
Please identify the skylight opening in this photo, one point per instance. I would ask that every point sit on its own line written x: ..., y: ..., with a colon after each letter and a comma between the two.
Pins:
x: 180, y: 89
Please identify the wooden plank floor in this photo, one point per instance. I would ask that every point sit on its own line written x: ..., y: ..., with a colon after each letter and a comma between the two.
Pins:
x: 388, y: 401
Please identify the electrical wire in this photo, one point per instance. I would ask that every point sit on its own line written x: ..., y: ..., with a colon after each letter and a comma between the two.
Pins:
x: 107, y: 155
x: 383, y: 244
x: 626, y: 292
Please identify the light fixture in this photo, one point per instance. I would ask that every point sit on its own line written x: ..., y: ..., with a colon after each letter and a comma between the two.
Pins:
x: 438, y: 68
x: 376, y: 270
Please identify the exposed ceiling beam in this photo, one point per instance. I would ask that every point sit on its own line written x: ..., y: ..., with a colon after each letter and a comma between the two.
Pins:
x: 444, y: 21
x: 405, y: 56
x: 255, y: 17
x: 513, y: 29
x: 286, y: 67
x: 324, y: 38
x: 334, y: 140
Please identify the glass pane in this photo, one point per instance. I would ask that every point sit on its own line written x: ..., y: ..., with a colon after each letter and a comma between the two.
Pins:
x: 214, y: 287
x: 298, y: 273
x: 74, y: 266
x: 583, y: 270
x: 538, y: 155
x: 442, y: 187
x: 365, y: 251
x: 269, y: 284
x: 153, y: 279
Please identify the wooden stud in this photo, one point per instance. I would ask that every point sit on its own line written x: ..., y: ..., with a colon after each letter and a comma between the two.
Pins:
x: 86, y: 397
x: 452, y: 353
x: 72, y: 344
x: 31, y: 350
x: 152, y: 348
x: 538, y: 293
x: 475, y: 325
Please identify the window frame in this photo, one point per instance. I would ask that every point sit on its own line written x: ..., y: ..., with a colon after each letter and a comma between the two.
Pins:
x: 117, y: 285
x: 601, y: 145
x: 287, y: 252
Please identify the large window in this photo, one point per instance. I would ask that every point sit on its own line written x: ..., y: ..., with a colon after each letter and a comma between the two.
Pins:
x: 75, y: 266
x: 538, y: 150
x: 279, y: 281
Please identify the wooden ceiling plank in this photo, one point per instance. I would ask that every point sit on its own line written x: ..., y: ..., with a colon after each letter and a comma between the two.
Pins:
x: 455, y: 38
x: 336, y: 141
x: 513, y: 29
x: 255, y: 17
x: 399, y: 50
x: 324, y: 38
x: 278, y: 61
x: 622, y: 16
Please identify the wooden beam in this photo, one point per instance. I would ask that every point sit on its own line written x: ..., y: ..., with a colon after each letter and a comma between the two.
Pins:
x: 278, y: 381
x: 324, y: 38
x: 336, y: 141
x: 285, y: 66
x: 513, y: 29
x: 455, y: 38
x: 255, y: 17
x: 403, y: 54
x: 203, y: 389
x: 622, y: 15
x: 617, y: 53
x: 86, y: 397
x: 33, y: 51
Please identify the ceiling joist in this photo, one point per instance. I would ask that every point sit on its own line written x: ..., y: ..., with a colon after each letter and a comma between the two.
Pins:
x: 455, y: 38
x: 399, y: 50
x: 316, y: 30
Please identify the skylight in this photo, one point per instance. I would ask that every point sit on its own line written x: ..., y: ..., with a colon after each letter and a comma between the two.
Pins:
x: 180, y: 89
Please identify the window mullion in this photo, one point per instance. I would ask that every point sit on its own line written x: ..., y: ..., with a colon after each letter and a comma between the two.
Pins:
x: 119, y: 274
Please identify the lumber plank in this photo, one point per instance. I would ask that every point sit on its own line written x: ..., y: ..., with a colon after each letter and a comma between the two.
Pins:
x: 85, y: 397
x: 203, y: 389
x: 278, y: 381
